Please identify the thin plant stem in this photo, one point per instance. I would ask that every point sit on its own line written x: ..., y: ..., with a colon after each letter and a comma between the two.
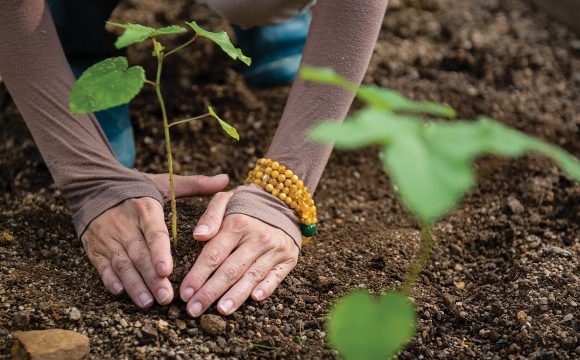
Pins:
x: 426, y: 248
x: 189, y: 119
x: 173, y: 51
x: 152, y: 83
x: 160, y: 57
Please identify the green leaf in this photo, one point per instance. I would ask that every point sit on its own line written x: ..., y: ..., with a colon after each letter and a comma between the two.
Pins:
x: 361, y: 328
x: 431, y: 162
x: 136, y: 33
x: 363, y: 128
x: 106, y: 84
x: 223, y: 40
x: 227, y: 127
x: 375, y: 96
x: 326, y: 76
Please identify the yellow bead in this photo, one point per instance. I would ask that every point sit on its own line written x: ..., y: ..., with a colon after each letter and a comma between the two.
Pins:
x: 281, y: 177
x: 275, y: 165
x: 285, y: 190
x: 295, y: 179
x: 300, y: 184
x: 266, y: 178
x: 282, y: 196
x: 262, y: 161
x: 280, y: 186
x: 306, y: 221
x: 288, y: 201
x: 268, y: 170
x: 282, y: 169
x: 287, y: 182
x: 257, y: 167
x: 269, y: 187
x: 275, y: 174
x: 275, y: 192
x: 272, y: 181
x: 313, y: 208
x: 257, y: 181
x: 263, y: 184
x: 288, y: 173
x: 259, y: 174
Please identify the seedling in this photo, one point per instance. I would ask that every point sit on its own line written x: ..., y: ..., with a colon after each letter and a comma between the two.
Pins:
x: 431, y: 165
x: 113, y: 82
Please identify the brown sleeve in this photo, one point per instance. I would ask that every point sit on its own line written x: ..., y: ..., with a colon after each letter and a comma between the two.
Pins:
x: 342, y: 36
x: 74, y: 147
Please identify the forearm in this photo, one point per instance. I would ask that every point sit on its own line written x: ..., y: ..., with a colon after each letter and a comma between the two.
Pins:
x: 75, y: 149
x: 342, y: 36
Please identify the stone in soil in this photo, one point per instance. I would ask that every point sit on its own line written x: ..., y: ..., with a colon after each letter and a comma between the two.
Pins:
x: 49, y: 344
x: 213, y: 324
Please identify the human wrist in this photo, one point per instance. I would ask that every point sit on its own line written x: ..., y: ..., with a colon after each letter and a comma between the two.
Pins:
x: 253, y: 201
x: 110, y: 194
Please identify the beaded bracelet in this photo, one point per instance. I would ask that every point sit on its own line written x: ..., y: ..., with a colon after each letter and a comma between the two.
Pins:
x: 282, y: 183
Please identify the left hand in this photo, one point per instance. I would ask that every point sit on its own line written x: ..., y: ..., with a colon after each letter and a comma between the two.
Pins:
x: 244, y: 256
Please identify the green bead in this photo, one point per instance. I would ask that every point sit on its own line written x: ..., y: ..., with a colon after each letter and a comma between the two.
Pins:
x: 308, y: 230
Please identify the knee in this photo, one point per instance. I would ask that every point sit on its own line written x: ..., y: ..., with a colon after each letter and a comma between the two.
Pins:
x: 250, y: 13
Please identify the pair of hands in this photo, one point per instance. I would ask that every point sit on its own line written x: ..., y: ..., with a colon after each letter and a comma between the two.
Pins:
x: 130, y: 248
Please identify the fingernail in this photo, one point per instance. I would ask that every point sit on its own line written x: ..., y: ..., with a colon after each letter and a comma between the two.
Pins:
x: 117, y: 287
x: 221, y: 177
x: 259, y: 294
x: 161, y: 268
x: 201, y: 230
x: 195, y: 309
x: 227, y: 306
x: 162, y: 294
x: 187, y: 294
x: 145, y: 298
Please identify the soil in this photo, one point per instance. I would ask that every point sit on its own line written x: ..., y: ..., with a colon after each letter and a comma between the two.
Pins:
x: 503, y: 281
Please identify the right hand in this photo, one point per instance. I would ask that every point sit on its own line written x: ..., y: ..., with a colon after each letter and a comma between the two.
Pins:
x: 129, y: 243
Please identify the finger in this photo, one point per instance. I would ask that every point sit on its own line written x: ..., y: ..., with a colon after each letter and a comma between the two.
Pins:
x: 199, y: 184
x: 152, y: 223
x: 141, y: 257
x: 108, y: 276
x: 273, y: 279
x: 225, y: 276
x: 211, y: 221
x: 241, y: 290
x: 192, y: 184
x: 132, y: 281
x: 211, y: 257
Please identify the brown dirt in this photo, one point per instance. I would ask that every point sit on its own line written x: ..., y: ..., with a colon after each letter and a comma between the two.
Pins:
x: 504, y: 278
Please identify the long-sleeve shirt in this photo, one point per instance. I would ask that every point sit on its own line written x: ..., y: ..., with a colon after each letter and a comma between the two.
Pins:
x: 37, y: 75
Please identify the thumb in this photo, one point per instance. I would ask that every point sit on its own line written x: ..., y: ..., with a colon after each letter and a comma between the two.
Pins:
x: 199, y: 184
x: 211, y: 221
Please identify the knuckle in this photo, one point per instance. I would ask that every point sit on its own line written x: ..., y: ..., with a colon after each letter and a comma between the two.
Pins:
x: 232, y: 272
x: 214, y: 257
x: 122, y: 264
x: 207, y: 296
x: 239, y: 222
x: 255, y: 275
x: 142, y: 257
x: 143, y: 207
x: 159, y: 235
x: 263, y: 239
x: 195, y: 281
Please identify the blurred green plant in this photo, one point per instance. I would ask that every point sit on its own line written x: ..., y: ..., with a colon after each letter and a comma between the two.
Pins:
x: 431, y: 164
x: 113, y: 82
